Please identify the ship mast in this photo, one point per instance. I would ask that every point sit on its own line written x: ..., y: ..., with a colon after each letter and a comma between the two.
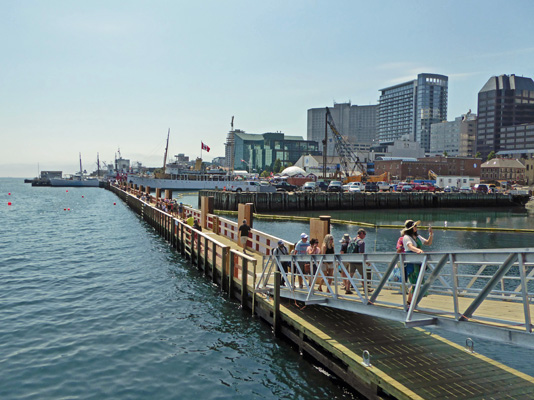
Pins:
x: 81, y: 170
x: 166, y: 149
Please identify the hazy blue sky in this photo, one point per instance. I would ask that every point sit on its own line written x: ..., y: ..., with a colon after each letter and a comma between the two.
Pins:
x: 93, y: 76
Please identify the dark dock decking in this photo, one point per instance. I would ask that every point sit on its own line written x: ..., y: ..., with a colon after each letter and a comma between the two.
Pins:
x: 306, y: 201
x: 405, y: 363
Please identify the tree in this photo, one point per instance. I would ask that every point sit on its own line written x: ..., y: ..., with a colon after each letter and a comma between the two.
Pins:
x: 277, y: 167
x: 445, y: 154
x: 491, y: 155
x: 478, y: 155
x: 265, y: 174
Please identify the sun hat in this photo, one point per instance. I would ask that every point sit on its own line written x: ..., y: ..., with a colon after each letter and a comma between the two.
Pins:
x: 408, y: 225
x: 346, y: 238
x: 303, y: 236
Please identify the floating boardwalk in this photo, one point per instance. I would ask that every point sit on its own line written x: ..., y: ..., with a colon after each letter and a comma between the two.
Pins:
x: 379, y: 358
x: 307, y: 201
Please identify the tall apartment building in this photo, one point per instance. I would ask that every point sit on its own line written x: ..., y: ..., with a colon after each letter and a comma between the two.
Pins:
x: 356, y: 123
x: 455, y: 138
x: 410, y: 108
x: 506, y: 116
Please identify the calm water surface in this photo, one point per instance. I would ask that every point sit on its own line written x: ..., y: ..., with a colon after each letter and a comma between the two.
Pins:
x: 95, y: 305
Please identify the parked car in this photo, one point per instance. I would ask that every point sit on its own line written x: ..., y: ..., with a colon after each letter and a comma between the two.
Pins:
x: 384, y: 187
x: 481, y: 188
x: 310, y: 187
x: 420, y: 187
x: 450, y: 189
x: 335, y: 186
x: 465, y: 189
x: 406, y: 188
x: 283, y: 186
x: 322, y: 185
x: 353, y: 187
x: 371, y: 187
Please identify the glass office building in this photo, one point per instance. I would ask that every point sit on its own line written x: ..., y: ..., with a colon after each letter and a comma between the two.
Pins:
x: 410, y: 108
x: 258, y: 151
x: 506, y: 116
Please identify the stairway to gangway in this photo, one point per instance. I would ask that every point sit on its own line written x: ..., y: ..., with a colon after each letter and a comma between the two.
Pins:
x: 484, y: 293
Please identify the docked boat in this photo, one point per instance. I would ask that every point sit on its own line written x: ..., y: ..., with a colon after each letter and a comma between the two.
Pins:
x: 76, y: 180
x: 178, y: 178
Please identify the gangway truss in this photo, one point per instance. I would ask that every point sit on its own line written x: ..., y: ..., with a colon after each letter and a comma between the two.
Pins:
x: 482, y: 293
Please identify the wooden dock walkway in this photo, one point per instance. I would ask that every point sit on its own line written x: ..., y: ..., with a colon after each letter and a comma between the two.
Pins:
x: 405, y: 363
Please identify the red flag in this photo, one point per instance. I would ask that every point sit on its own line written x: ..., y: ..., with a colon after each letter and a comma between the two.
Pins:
x: 205, y: 147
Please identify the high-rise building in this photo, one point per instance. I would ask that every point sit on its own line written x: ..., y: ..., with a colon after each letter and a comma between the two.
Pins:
x: 506, y: 116
x: 454, y: 138
x: 356, y: 123
x: 410, y: 108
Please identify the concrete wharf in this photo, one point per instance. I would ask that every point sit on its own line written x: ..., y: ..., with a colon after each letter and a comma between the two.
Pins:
x: 307, y: 201
x: 379, y: 358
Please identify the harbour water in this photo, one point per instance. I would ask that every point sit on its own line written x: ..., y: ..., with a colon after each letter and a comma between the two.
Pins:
x: 94, y: 304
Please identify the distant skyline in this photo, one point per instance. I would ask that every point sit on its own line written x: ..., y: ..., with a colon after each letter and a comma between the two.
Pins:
x: 97, y: 76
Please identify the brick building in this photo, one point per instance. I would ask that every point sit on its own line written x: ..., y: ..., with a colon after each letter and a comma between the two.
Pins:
x: 503, y: 169
x: 401, y: 170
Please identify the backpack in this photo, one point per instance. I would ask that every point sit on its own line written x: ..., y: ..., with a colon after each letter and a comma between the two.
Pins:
x: 353, y: 247
x: 400, y: 245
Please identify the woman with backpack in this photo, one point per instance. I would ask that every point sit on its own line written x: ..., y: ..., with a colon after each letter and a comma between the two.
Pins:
x: 413, y: 243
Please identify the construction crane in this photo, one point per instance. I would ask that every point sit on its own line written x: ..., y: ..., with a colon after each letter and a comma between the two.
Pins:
x: 350, y: 163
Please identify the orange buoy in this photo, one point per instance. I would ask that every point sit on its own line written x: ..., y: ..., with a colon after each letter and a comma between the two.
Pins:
x: 82, y: 197
x: 8, y: 203
x: 9, y: 194
x: 114, y: 204
x: 67, y: 191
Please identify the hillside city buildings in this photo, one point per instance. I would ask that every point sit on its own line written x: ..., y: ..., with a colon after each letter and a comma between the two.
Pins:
x: 407, y: 125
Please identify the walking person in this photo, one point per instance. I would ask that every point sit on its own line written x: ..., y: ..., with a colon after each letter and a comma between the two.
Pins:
x: 281, y: 250
x: 351, y: 267
x: 312, y: 249
x: 413, y: 243
x: 300, y: 249
x: 327, y: 268
x: 244, y: 230
x: 359, y: 247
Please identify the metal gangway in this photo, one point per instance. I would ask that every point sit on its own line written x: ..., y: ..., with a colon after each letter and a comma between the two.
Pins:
x: 482, y: 293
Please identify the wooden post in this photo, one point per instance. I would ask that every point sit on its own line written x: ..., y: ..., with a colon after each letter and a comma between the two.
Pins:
x: 232, y: 265
x: 319, y: 228
x: 198, y: 250
x: 214, y: 260
x: 244, y: 288
x: 158, y: 194
x: 206, y: 248
x: 206, y: 207
x: 168, y: 194
x: 182, y: 244
x: 147, y: 190
x: 224, y: 264
x: 276, y: 300
x: 244, y: 211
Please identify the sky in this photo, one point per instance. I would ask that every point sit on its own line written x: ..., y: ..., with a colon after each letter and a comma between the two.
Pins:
x: 98, y: 76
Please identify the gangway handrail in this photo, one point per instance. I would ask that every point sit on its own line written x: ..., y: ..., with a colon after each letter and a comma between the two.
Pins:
x: 484, y: 292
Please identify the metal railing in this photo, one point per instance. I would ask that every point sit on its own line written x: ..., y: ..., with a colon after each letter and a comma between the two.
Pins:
x: 484, y: 292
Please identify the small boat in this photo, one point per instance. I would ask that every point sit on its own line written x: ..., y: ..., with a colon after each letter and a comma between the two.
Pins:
x: 76, y: 180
